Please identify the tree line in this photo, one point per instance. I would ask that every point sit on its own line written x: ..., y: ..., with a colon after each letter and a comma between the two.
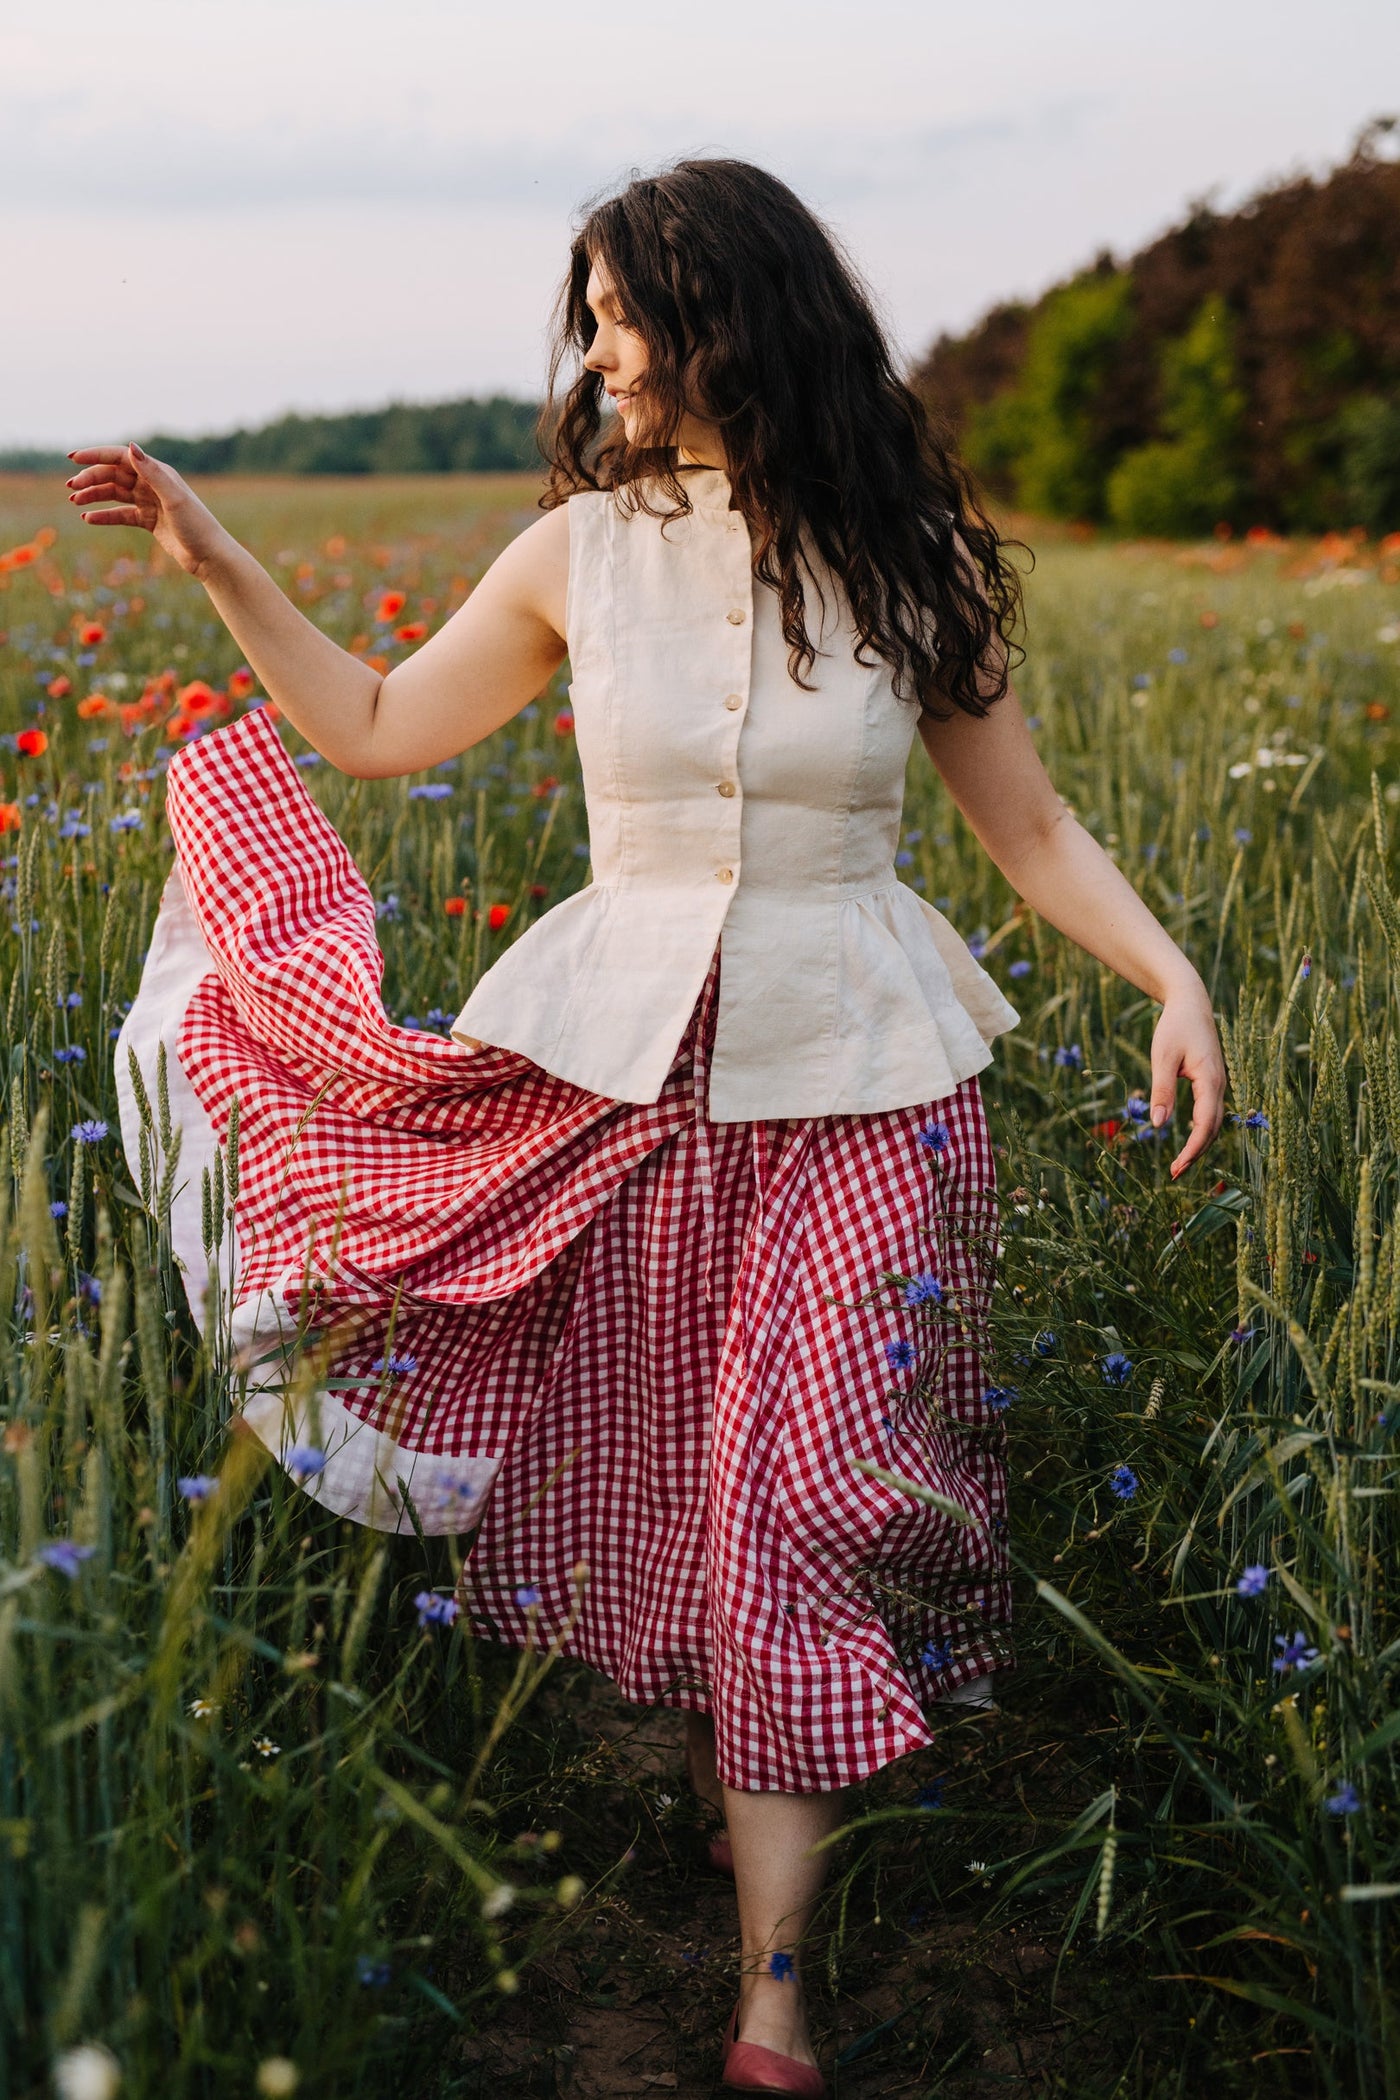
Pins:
x: 1244, y: 368
x: 494, y: 436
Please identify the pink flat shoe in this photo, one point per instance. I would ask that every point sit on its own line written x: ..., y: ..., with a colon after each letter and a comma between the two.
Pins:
x: 718, y: 1850
x: 720, y: 1853
x: 749, y: 2068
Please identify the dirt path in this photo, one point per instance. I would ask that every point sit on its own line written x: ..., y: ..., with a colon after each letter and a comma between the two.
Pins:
x: 922, y: 2000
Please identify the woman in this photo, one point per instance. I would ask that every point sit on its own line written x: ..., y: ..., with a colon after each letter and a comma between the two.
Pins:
x: 642, y: 1213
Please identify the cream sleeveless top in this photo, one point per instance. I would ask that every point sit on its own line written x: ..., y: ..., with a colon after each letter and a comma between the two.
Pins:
x: 726, y: 804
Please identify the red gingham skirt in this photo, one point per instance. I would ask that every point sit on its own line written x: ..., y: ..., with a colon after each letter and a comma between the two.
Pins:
x: 642, y: 1354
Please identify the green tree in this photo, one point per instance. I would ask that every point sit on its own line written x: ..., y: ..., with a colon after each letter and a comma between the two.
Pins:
x: 1186, y: 481
x: 1043, y: 436
x: 1369, y: 429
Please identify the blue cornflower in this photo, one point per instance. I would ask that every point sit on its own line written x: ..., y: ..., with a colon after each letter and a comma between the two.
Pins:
x: 197, y: 1487
x: 977, y: 945
x: 1256, y: 1120
x: 1020, y: 968
x: 1254, y: 1581
x: 89, y: 1133
x: 1117, y: 1368
x: 1137, y: 1108
x: 1143, y: 678
x: 304, y: 1461
x: 1243, y: 837
x: 1240, y: 1335
x: 930, y: 1796
x: 528, y: 1597
x: 1293, y: 1652
x: 58, y: 1210
x: 1124, y: 1483
x: 89, y: 1288
x: 900, y: 1355
x: 409, y: 1021
x: 73, y: 827
x: 434, y: 1610
x: 1176, y: 656
x: 781, y: 1967
x: 75, y: 999
x: 904, y: 858
x: 387, y: 908
x: 999, y: 1397
x: 371, y: 1972
x: 70, y: 1054
x: 1345, y: 1802
x: 1069, y: 1054
x: 64, y: 1557
x: 1046, y: 1342
x: 934, y: 1137
x: 935, y: 1655
x: 924, y: 1289
x: 887, y: 1425
x: 395, y: 1364
x: 125, y: 820
x: 1033, y: 722
x: 436, y: 1018
x: 430, y: 791
x: 1305, y: 966
x: 307, y: 758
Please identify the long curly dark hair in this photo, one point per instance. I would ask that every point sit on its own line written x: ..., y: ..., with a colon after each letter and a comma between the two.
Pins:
x: 754, y: 318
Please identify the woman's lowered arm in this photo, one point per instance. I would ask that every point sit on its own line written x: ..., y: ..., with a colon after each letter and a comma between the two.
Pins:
x: 994, y: 774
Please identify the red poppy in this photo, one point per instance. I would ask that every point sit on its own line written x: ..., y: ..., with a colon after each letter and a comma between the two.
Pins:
x: 59, y: 688
x: 1210, y: 619
x: 91, y: 633
x: 10, y: 816
x: 31, y: 743
x: 544, y: 787
x: 180, y: 725
x: 241, y: 682
x: 411, y: 631
x: 564, y: 722
x: 391, y: 605
x: 95, y: 704
x: 196, y: 698
x: 1377, y: 711
x: 454, y: 907
x: 1105, y: 1130
x: 335, y: 546
x: 539, y: 889
x: 497, y: 916
x: 18, y: 558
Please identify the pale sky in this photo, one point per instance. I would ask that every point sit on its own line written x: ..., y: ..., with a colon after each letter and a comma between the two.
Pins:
x: 217, y: 210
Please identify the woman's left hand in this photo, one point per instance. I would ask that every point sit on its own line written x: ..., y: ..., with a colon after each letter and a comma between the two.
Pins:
x: 1185, y: 1045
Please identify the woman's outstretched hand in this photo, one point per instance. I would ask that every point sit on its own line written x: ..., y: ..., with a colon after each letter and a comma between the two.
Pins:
x: 145, y: 492
x: 1185, y: 1045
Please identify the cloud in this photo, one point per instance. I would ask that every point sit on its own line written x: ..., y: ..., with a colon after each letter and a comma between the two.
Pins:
x: 65, y: 155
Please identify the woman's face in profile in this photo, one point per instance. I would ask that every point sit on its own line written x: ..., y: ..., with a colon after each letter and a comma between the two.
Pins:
x: 617, y: 353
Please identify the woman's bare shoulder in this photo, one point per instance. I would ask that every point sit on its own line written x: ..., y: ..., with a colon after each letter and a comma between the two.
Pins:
x: 533, y: 569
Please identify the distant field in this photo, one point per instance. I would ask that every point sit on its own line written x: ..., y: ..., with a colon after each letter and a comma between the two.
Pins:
x: 1172, y: 1864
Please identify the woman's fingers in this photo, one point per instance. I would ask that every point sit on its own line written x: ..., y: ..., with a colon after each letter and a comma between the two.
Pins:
x: 98, y: 492
x: 100, y: 455
x: 1207, y: 1115
x: 126, y: 515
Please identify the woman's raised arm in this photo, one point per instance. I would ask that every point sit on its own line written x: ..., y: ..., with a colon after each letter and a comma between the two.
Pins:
x: 493, y: 656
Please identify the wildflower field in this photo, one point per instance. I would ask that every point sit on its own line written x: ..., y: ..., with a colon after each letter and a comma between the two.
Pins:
x: 270, y: 1822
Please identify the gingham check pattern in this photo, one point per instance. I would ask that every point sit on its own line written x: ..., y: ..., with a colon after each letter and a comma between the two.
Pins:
x: 674, y: 1329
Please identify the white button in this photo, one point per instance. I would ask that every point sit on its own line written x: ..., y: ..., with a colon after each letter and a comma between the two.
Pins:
x: 735, y: 618
x: 724, y: 874
x: 726, y: 787
x: 733, y: 700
